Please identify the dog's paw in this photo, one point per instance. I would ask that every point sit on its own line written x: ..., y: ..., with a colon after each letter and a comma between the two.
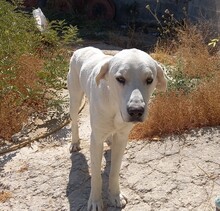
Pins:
x: 95, y: 205
x: 118, y: 200
x: 74, y: 147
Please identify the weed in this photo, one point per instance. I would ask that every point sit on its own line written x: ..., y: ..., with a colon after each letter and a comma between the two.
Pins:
x: 214, y: 42
x: 5, y: 195
x: 59, y: 33
x: 168, y: 25
x: 214, y: 45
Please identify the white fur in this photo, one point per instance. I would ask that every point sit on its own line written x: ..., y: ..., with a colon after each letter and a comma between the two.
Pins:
x: 96, y: 74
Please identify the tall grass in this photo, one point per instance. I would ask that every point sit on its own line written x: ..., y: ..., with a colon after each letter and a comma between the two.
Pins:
x: 193, y: 96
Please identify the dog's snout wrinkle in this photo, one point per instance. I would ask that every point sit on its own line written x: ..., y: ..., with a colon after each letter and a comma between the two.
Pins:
x: 136, y: 100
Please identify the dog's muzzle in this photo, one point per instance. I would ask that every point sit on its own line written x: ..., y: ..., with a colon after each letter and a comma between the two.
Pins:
x: 136, y: 107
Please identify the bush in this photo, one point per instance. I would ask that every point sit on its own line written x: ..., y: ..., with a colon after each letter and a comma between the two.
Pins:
x: 18, y: 33
x: 32, y: 64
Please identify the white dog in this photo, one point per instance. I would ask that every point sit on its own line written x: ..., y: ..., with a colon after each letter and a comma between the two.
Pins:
x: 118, y: 89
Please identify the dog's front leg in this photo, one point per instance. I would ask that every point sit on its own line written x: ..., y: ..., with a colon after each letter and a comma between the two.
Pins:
x: 96, y: 151
x: 118, y: 145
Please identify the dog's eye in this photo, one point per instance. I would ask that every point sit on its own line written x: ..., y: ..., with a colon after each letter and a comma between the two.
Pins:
x: 149, y: 81
x: 121, y: 80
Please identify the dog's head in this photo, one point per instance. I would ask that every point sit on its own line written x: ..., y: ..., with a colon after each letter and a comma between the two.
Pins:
x: 132, y: 75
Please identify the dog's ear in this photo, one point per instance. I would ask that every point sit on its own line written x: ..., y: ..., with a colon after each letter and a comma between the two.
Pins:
x: 101, y: 75
x: 161, y: 79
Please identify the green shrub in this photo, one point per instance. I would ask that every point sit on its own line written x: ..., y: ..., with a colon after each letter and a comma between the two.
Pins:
x: 18, y: 32
x: 31, y: 65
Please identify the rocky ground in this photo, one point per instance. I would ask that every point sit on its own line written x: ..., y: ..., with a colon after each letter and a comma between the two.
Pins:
x: 177, y: 173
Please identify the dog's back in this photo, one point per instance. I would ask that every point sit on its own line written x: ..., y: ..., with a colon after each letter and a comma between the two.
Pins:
x: 80, y: 56
x: 83, y: 63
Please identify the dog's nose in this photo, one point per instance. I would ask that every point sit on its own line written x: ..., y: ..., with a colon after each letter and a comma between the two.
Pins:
x: 135, y: 112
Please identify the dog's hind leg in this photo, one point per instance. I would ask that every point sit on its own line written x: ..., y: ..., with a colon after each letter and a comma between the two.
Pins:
x: 76, y: 95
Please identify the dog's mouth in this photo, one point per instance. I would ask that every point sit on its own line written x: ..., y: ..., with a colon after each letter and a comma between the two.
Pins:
x: 136, y: 120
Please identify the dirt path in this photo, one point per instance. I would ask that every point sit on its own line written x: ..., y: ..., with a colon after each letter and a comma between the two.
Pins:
x: 177, y: 173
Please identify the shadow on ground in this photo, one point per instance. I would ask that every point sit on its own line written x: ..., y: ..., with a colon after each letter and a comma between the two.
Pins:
x: 79, y: 185
x: 6, y: 158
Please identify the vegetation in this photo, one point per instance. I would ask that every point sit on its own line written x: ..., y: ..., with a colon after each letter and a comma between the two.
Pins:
x: 33, y: 65
x: 193, y: 97
x: 4, y: 196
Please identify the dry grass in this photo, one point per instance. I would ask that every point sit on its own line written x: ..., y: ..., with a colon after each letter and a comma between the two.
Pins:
x: 195, y: 54
x: 23, y: 168
x: 177, y: 110
x: 165, y: 57
x: 20, y: 101
x: 5, y: 195
x: 27, y: 68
